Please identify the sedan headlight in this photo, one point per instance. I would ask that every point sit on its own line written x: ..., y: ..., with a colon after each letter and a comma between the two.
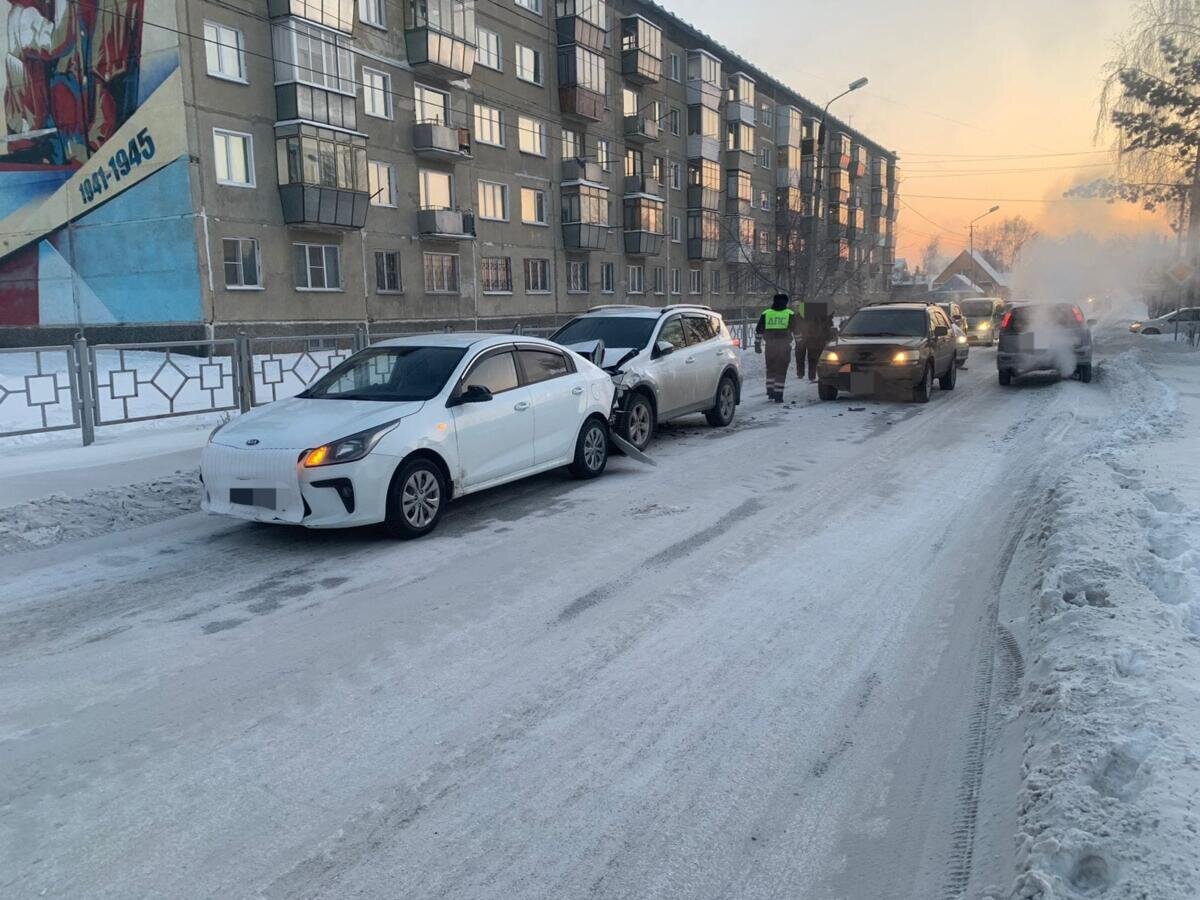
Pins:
x: 212, y: 434
x: 829, y: 356
x: 347, y: 449
x: 906, y: 357
x: 961, y: 339
x: 984, y: 326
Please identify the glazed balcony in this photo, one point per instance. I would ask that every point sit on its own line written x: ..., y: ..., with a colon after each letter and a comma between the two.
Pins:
x: 441, y: 46
x: 580, y: 29
x: 644, y: 243
x: 437, y: 140
x: 581, y: 103
x: 585, y: 236
x: 700, y: 146
x: 701, y: 197
x: 643, y: 184
x: 641, y: 129
x: 446, y: 224
x: 641, y: 50
x: 703, y: 248
x: 576, y: 170
x: 307, y: 204
x: 640, y: 68
x: 741, y: 160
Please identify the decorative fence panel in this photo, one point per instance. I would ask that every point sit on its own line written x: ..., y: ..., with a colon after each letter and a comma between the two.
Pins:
x: 39, y: 390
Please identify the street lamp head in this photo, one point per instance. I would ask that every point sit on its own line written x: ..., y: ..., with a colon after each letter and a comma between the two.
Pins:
x: 859, y: 83
x: 993, y: 209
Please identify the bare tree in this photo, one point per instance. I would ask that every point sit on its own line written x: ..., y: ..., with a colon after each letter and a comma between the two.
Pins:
x: 1002, y: 243
x: 931, y: 257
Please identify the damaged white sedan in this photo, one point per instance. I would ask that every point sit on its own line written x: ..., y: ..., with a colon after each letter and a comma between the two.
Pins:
x: 397, y: 430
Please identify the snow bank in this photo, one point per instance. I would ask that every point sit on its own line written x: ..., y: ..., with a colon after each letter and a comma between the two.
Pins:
x: 1110, y: 803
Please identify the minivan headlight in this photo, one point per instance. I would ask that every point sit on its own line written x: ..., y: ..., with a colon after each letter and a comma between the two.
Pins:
x: 984, y: 326
x: 905, y: 357
x: 347, y: 449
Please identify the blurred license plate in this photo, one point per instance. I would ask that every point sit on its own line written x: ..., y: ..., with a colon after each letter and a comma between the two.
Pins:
x: 262, y: 497
x: 862, y: 382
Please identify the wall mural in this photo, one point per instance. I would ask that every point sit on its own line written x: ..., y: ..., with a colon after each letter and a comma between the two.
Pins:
x: 95, y: 203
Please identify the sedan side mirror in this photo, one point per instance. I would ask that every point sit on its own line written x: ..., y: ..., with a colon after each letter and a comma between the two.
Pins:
x: 663, y: 348
x: 940, y: 331
x: 474, y: 393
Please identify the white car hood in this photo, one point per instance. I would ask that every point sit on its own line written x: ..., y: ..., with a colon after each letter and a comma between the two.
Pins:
x: 301, y: 424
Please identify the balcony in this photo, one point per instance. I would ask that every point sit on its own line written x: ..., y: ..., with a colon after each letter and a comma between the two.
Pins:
x: 740, y: 111
x: 790, y: 178
x: 446, y: 224
x: 584, y: 236
x: 643, y: 243
x: 738, y: 206
x: 640, y: 67
x: 741, y: 160
x: 439, y: 55
x: 644, y: 185
x: 581, y: 103
x: 734, y: 251
x: 307, y: 204
x: 435, y: 140
x: 577, y: 29
x: 641, y: 129
x: 703, y: 248
x: 641, y: 50
x: 577, y: 170
x: 701, y: 146
x: 700, y: 197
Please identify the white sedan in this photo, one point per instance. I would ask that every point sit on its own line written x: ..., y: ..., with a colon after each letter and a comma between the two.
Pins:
x: 398, y: 429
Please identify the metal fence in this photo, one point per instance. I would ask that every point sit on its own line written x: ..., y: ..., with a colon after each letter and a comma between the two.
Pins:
x: 82, y: 386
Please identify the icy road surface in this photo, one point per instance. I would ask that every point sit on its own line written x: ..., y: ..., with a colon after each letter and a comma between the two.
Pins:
x: 763, y: 669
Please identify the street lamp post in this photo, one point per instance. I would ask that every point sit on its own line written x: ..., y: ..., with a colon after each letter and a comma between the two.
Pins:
x: 972, y: 226
x: 818, y: 186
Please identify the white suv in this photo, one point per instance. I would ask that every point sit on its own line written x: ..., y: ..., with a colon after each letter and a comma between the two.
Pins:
x: 667, y: 362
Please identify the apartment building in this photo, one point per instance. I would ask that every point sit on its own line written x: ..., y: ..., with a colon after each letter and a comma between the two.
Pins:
x: 423, y: 164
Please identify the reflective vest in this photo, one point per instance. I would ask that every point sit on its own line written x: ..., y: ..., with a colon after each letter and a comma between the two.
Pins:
x: 777, y: 319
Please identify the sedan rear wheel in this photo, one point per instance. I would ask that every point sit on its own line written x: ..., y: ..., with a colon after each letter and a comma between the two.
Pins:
x: 591, y: 450
x: 416, y: 499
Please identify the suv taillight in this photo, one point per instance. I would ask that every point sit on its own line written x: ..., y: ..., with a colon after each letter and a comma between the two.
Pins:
x: 1006, y: 321
x: 1078, y: 313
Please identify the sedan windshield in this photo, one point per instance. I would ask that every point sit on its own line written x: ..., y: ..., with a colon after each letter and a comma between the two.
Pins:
x: 395, y: 374
x: 976, y: 308
x: 615, y: 331
x: 886, y: 323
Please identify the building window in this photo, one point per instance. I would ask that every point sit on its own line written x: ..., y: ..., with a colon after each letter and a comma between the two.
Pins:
x: 571, y: 142
x: 488, y: 49
x: 529, y: 64
x: 676, y: 119
x: 441, y: 273
x: 676, y: 177
x: 495, y: 275
x: 676, y: 230
x: 381, y: 183
x: 242, y: 269
x: 676, y: 283
x: 489, y: 125
x: 764, y: 242
x: 531, y: 136
x: 431, y: 105
x: 317, y: 267
x: 577, y: 276
x: 764, y: 157
x: 673, y: 66
x: 764, y: 201
x: 233, y: 154
x: 660, y: 280
x: 767, y: 115
x: 436, y: 189
x: 714, y: 281
x: 533, y: 206
x: 493, y: 201
x: 604, y: 154
x: 537, y: 276
x: 372, y: 12
x: 635, y: 277
x: 377, y: 93
x: 607, y: 278
x: 387, y: 272
x: 656, y: 169
x: 534, y: 6
x: 695, y: 280
x: 225, y: 50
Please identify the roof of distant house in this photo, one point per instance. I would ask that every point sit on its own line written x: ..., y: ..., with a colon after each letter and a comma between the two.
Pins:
x: 1001, y: 278
x: 957, y: 284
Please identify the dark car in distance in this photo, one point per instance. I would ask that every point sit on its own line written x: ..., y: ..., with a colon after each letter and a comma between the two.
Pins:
x: 1044, y: 337
x: 898, y: 346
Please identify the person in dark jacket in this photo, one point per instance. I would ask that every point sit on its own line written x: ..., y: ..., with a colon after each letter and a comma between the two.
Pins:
x: 777, y: 327
x: 816, y: 331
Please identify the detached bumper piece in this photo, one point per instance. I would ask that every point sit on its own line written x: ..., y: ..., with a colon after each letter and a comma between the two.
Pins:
x: 344, y: 488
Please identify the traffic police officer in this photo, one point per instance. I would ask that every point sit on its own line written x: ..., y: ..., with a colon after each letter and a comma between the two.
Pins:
x: 777, y: 326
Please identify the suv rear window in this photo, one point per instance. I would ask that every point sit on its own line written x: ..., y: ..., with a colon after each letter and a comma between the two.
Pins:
x: 1031, y: 318
x: 616, y: 331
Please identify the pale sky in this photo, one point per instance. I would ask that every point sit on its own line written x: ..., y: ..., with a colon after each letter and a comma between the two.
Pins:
x: 956, y: 78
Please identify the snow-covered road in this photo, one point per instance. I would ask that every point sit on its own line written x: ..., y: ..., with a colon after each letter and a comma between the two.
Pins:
x: 766, y: 668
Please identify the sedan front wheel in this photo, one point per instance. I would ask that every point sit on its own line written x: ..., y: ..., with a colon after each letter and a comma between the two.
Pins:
x: 416, y: 500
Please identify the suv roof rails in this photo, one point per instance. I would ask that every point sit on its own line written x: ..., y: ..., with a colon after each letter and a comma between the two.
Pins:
x: 619, y: 306
x: 671, y: 306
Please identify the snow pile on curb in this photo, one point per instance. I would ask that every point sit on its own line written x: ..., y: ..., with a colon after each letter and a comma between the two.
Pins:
x: 57, y: 519
x: 1110, y: 805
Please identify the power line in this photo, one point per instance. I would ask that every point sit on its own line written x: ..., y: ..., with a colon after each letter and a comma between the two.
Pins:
x: 994, y: 172
x: 982, y: 157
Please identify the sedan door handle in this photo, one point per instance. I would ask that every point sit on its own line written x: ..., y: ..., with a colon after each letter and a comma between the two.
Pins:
x: 522, y: 406
x: 576, y: 391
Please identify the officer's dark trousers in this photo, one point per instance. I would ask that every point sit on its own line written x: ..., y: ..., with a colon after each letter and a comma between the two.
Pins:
x: 779, y: 356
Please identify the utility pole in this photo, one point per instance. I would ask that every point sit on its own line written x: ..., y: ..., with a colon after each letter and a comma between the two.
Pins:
x: 818, y: 185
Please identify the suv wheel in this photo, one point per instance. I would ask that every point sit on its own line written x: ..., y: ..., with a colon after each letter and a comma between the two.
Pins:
x: 638, y: 426
x: 1005, y: 378
x: 1084, y: 372
x: 827, y: 391
x: 947, y: 381
x: 722, y: 412
x: 923, y: 390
